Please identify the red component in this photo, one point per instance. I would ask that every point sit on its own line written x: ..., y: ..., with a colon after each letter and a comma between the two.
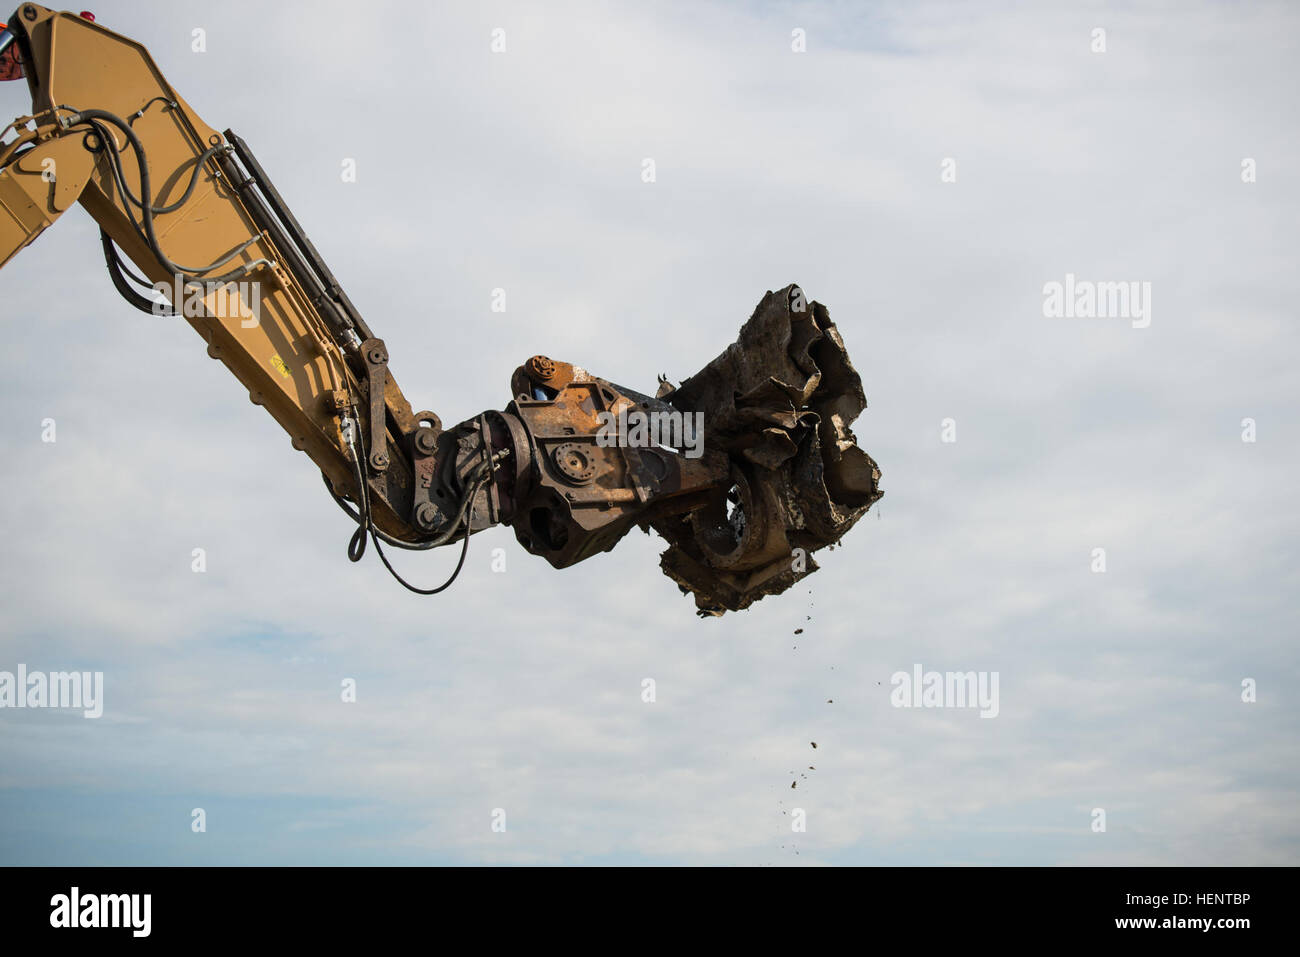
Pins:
x: 87, y: 15
x: 9, y: 66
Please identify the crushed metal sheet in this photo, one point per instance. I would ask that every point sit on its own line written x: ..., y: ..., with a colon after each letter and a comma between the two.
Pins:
x: 779, y: 402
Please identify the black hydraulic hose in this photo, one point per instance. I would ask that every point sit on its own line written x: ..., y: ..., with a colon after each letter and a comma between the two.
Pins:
x: 357, y: 544
x: 157, y: 99
x: 146, y: 208
x: 365, y: 521
x: 119, y: 177
x: 202, y: 158
x: 387, y: 539
x: 143, y: 303
x: 127, y: 271
x: 464, y: 550
x: 474, y: 484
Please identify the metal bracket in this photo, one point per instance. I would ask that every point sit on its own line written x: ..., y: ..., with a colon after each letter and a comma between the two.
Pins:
x: 375, y: 354
x: 424, y: 462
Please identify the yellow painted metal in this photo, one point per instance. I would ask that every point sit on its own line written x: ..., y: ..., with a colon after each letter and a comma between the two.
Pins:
x: 287, y: 360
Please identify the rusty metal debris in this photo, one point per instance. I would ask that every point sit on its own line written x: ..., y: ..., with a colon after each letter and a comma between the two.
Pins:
x: 779, y: 402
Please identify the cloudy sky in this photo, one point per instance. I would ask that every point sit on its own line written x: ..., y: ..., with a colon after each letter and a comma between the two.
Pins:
x: 1119, y: 690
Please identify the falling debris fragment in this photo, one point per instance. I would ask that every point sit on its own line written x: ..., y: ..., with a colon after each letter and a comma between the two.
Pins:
x: 813, y: 743
x: 794, y: 784
x: 798, y: 631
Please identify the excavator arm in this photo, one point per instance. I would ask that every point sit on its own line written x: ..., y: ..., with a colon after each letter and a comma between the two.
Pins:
x: 745, y: 469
